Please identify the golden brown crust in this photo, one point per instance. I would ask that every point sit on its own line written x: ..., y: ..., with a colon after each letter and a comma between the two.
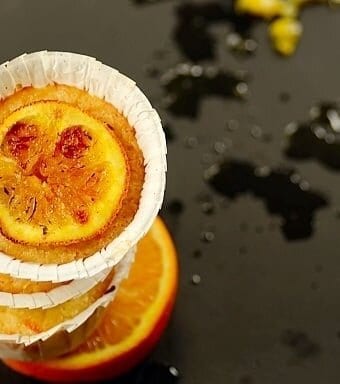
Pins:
x: 103, y: 112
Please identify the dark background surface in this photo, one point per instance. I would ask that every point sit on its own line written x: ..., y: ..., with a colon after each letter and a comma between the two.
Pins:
x: 267, y: 310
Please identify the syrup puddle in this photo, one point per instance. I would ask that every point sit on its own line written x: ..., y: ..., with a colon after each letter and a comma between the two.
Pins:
x: 186, y: 85
x: 193, y: 35
x: 318, y: 137
x: 283, y: 192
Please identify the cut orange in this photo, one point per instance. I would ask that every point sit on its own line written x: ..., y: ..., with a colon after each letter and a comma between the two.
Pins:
x: 132, y: 324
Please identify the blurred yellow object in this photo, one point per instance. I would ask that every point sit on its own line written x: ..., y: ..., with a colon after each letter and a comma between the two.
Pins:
x: 285, y: 29
x: 285, y: 34
x: 261, y: 8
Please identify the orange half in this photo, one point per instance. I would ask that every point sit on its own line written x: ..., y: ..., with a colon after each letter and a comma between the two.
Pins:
x: 132, y: 324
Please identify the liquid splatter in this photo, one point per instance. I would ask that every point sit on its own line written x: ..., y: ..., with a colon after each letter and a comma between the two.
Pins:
x: 196, y: 279
x: 318, y: 137
x: 197, y: 253
x: 300, y: 343
x: 208, y: 207
x: 191, y: 142
x: 186, y: 85
x: 284, y: 97
x: 207, y: 236
x: 175, y: 207
x: 232, y: 125
x: 239, y: 45
x: 154, y: 373
x: 193, y: 34
x: 282, y: 192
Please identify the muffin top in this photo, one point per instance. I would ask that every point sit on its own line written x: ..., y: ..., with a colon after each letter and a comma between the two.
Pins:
x: 71, y: 174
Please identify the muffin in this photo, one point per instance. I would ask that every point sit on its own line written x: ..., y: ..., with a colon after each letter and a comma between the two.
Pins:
x: 71, y: 174
x: 82, y: 166
x: 82, y: 177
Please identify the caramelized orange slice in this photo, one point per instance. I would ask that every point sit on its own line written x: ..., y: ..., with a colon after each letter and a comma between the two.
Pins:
x: 63, y: 174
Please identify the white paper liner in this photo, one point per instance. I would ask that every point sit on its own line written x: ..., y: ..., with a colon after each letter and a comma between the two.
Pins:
x: 55, y: 296
x: 122, y: 271
x: 42, y: 68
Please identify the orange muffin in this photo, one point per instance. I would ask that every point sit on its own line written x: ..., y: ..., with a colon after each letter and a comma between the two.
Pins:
x: 71, y: 174
x: 10, y: 284
x: 29, y: 322
x: 61, y: 324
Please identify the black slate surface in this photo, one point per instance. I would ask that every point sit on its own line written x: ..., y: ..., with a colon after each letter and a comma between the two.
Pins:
x: 267, y: 307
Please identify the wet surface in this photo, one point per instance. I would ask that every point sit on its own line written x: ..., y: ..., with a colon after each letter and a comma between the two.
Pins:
x: 300, y: 344
x: 283, y: 192
x: 174, y: 207
x: 156, y: 373
x: 259, y: 285
x: 186, y: 85
x: 152, y: 372
x: 193, y: 31
x: 318, y: 138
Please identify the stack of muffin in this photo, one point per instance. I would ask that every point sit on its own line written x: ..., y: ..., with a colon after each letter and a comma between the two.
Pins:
x: 82, y: 177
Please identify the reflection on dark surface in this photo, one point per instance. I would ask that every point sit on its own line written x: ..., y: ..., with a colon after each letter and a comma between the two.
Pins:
x: 186, y: 85
x: 240, y: 45
x: 283, y: 192
x: 150, y: 372
x: 319, y: 137
x: 300, y: 343
x: 157, y: 373
x: 192, y: 33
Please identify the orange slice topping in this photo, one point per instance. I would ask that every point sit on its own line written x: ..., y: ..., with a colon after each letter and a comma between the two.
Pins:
x: 63, y: 174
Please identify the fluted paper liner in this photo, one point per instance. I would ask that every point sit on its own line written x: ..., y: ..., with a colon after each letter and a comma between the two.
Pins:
x: 42, y: 68
x: 55, y: 296
x: 67, y: 335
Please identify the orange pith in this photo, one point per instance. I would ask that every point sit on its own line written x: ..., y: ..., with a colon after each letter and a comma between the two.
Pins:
x: 132, y: 324
x: 63, y: 174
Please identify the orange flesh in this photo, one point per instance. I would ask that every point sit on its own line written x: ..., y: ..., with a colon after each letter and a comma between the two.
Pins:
x: 140, y: 302
x: 55, y: 163
x: 125, y: 314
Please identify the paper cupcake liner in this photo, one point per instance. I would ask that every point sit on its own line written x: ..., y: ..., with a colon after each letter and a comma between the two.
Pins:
x: 42, y: 68
x: 15, y: 346
x: 55, y: 296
